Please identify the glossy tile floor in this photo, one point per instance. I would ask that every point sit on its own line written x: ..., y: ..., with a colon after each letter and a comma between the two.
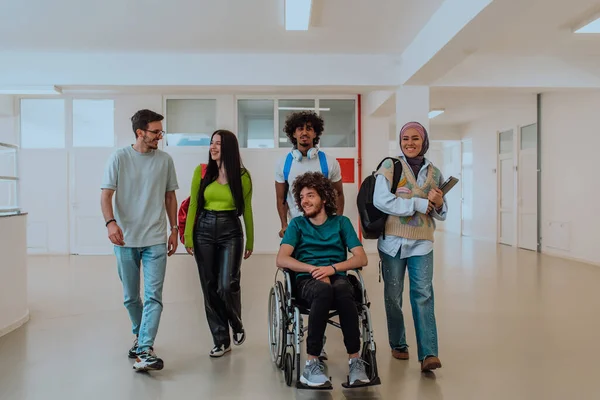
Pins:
x: 512, y: 325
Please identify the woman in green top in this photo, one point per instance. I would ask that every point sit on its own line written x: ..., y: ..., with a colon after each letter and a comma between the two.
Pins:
x: 213, y: 235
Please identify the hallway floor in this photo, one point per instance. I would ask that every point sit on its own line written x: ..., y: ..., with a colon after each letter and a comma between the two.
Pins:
x: 512, y: 324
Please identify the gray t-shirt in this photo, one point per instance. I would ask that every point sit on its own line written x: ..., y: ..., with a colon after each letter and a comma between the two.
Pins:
x: 140, y: 181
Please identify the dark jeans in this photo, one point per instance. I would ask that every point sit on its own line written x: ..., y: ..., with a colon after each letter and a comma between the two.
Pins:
x: 218, y: 249
x: 322, y: 298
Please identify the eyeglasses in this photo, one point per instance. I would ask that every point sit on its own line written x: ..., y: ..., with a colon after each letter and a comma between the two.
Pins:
x: 161, y: 133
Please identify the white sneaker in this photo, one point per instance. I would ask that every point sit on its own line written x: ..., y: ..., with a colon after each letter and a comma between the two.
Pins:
x: 219, y: 351
x: 148, y: 361
x: 238, y: 338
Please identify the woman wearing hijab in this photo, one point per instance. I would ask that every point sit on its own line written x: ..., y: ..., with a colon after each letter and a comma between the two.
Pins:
x: 408, y: 242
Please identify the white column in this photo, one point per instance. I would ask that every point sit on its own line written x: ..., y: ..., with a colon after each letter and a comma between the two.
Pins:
x: 412, y: 104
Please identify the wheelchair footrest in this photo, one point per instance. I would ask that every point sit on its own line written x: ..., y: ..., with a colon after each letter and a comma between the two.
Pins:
x: 373, y: 382
x: 301, y: 385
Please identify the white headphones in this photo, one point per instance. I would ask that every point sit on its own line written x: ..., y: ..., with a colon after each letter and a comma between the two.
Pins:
x: 312, y: 153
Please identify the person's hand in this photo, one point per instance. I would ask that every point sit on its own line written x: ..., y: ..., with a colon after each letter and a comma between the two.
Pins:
x: 282, y: 231
x: 190, y: 250
x: 429, y: 208
x: 115, y: 234
x: 436, y: 196
x: 172, y: 243
x: 322, y: 272
x: 247, y: 254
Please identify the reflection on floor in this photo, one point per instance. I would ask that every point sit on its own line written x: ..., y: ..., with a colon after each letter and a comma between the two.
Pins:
x: 512, y: 324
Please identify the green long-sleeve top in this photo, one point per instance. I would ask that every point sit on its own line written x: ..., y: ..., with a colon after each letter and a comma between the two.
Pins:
x: 218, y: 197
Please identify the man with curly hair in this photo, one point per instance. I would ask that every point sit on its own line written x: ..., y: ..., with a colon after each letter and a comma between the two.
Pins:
x: 304, y: 130
x: 316, y: 246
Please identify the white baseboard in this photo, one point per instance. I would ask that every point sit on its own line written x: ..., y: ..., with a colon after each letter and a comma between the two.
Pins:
x: 558, y: 254
x: 15, y: 325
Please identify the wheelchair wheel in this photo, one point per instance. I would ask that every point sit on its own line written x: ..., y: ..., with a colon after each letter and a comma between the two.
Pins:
x: 369, y: 356
x: 288, y: 367
x: 277, y: 333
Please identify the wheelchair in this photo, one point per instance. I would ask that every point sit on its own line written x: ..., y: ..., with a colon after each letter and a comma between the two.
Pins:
x: 287, y: 329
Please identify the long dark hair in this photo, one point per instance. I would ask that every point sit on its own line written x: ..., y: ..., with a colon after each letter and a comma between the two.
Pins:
x: 231, y: 159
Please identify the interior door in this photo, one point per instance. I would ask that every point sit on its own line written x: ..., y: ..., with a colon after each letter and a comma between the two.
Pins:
x: 528, y: 184
x: 88, y: 232
x: 467, y: 187
x: 506, y: 193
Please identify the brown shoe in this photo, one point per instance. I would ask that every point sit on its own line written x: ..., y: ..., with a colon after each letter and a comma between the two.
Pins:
x: 400, y: 354
x: 430, y: 363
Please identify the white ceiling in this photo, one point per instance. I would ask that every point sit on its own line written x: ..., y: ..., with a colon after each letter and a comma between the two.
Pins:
x: 338, y: 26
x: 464, y: 105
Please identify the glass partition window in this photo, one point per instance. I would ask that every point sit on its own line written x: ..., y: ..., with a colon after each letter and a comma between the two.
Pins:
x: 261, y: 122
x: 256, y: 124
x: 8, y: 179
x: 43, y: 123
x: 339, y: 117
x: 529, y: 137
x: 506, y: 142
x: 190, y: 122
x: 93, y: 123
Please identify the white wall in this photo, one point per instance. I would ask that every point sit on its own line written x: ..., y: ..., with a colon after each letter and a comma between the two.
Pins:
x: 446, y: 156
x: 570, y: 137
x: 13, y: 273
x: 520, y: 111
x: 375, y: 146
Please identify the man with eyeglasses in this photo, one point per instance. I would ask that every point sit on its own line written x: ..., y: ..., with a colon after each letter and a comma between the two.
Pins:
x: 143, y: 182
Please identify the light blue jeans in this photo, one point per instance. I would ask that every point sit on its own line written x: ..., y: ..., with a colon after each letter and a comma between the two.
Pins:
x: 420, y: 274
x: 144, y: 317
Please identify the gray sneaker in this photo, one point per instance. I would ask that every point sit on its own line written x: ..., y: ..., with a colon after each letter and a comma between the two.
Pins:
x: 313, y: 375
x: 358, y: 373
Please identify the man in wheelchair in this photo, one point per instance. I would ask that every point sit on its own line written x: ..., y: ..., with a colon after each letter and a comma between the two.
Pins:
x: 315, y: 247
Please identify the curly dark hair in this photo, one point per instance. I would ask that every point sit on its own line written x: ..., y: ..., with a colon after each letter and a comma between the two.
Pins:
x: 323, y: 186
x: 298, y: 120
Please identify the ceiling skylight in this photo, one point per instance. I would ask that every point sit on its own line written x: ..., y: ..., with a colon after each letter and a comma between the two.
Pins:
x: 435, y: 113
x: 297, y: 14
x: 592, y: 27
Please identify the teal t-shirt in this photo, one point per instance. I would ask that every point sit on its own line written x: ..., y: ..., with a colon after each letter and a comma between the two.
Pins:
x: 321, y: 245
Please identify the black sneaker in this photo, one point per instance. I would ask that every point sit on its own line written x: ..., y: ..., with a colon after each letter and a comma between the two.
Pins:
x: 133, y: 349
x: 219, y: 351
x: 238, y: 338
x: 148, y: 361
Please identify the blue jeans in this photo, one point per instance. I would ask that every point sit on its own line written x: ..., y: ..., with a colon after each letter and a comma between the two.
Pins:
x: 420, y: 274
x: 144, y: 317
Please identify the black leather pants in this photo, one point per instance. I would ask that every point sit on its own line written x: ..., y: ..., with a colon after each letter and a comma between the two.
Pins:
x: 218, y: 249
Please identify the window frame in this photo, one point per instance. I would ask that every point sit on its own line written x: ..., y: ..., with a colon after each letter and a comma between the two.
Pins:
x: 15, y: 208
x: 68, y: 115
x: 277, y: 128
x: 213, y: 97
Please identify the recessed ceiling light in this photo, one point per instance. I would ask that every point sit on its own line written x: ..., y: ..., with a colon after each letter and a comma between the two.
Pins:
x: 592, y: 27
x: 435, y: 113
x: 303, y: 109
x: 297, y: 14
